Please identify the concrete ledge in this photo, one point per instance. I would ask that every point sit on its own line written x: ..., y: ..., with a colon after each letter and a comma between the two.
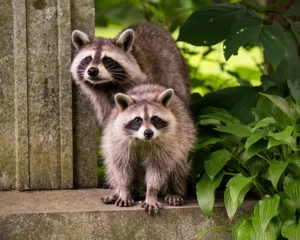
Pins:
x: 80, y: 214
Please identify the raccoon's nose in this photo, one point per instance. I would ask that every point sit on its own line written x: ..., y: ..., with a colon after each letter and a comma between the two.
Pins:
x: 93, y: 71
x: 148, y: 133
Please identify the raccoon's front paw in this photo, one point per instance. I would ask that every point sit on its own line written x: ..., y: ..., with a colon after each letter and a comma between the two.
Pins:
x: 124, y: 202
x: 174, y: 199
x: 151, y: 207
x: 110, y: 199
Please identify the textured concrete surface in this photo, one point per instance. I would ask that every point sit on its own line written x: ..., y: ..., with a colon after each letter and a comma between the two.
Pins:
x: 36, y: 114
x: 80, y: 214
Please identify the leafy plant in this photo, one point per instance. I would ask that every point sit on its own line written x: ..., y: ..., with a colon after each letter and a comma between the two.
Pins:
x: 262, y: 157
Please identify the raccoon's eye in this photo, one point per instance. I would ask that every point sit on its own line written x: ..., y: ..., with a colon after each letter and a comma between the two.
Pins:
x: 88, y: 59
x: 107, y: 60
x: 154, y: 119
x: 137, y: 120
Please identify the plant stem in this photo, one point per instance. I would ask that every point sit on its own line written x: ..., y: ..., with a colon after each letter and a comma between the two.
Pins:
x: 263, y: 158
x: 259, y: 188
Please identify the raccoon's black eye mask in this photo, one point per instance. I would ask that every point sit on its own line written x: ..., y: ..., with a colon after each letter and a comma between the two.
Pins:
x: 159, y: 123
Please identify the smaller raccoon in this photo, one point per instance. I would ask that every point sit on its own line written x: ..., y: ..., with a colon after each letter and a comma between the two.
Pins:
x: 148, y: 136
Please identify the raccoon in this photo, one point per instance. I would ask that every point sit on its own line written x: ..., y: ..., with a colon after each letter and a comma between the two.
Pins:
x: 142, y: 53
x: 148, y: 134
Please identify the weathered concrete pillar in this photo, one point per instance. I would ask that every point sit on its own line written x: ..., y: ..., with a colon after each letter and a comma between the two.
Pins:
x: 36, y: 114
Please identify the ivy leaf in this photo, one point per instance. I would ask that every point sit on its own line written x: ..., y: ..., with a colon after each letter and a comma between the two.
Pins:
x: 274, y: 43
x: 210, y: 24
x: 254, y: 137
x: 293, y: 10
x: 237, y: 188
x: 238, y: 130
x: 291, y: 230
x: 206, y: 192
x: 216, y: 162
x: 264, y: 123
x: 291, y: 187
x: 287, y: 210
x: 275, y: 171
x: 246, y: 29
x: 264, y: 211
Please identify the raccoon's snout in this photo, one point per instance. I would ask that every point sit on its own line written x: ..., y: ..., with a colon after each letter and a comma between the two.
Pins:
x: 148, y: 133
x: 93, y: 71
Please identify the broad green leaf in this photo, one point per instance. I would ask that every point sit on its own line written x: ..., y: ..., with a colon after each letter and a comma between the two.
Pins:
x: 207, y: 142
x: 294, y: 9
x: 210, y: 24
x: 246, y: 29
x: 264, y: 123
x: 296, y: 29
x: 264, y: 211
x: 238, y: 130
x: 218, y: 114
x: 294, y: 160
x: 291, y: 230
x: 284, y: 135
x: 275, y: 171
x: 294, y: 87
x: 274, y: 43
x: 281, y: 103
x: 256, y: 166
x: 206, y: 192
x: 273, y: 230
x: 287, y: 210
x: 213, y: 229
x: 291, y: 187
x: 254, y: 137
x: 214, y: 122
x: 243, y: 230
x: 216, y: 162
x: 237, y: 188
x: 290, y: 142
x: 253, y: 150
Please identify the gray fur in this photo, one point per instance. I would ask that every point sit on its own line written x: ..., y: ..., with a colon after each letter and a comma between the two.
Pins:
x: 161, y: 162
x: 147, y: 53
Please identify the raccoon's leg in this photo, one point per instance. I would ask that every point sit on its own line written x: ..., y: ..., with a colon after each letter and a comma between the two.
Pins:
x: 155, y: 179
x: 177, y: 184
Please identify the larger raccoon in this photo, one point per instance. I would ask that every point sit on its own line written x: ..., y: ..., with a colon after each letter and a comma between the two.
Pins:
x: 149, y: 133
x: 142, y: 53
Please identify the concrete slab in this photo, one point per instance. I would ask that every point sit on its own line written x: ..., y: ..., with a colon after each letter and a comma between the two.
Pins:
x: 80, y: 214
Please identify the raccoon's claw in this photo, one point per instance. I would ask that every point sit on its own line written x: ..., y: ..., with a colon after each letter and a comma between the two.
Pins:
x: 151, y: 207
x: 124, y: 202
x: 110, y: 199
x: 174, y: 199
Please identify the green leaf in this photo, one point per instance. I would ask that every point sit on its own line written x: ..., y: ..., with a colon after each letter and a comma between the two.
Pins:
x: 246, y: 29
x: 273, y: 41
x: 294, y: 87
x: 213, y: 122
x: 290, y: 142
x: 280, y: 103
x: 238, y: 130
x: 264, y: 211
x: 253, y: 150
x: 244, y: 230
x: 206, y: 192
x: 293, y: 10
x: 291, y: 187
x: 296, y: 29
x: 254, y: 137
x: 216, y: 162
x: 218, y: 114
x: 213, y: 229
x: 291, y: 230
x: 287, y: 210
x: 210, y: 24
x: 264, y: 123
x: 284, y: 135
x: 294, y: 160
x: 275, y: 171
x: 237, y: 188
x: 206, y: 143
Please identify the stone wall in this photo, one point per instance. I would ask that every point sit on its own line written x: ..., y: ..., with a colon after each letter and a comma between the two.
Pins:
x: 47, y: 129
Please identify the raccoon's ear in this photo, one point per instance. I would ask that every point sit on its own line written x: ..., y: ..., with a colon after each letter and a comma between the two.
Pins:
x: 80, y: 39
x: 166, y: 97
x: 126, y: 40
x: 123, y: 101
